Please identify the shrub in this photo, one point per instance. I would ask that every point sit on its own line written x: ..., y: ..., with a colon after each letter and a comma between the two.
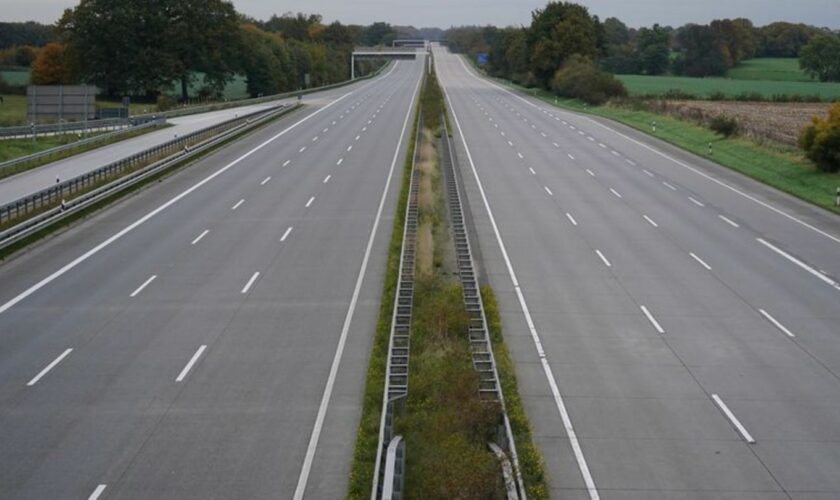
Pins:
x: 821, y: 140
x: 717, y: 96
x: 165, y: 102
x: 724, y: 125
x: 580, y: 78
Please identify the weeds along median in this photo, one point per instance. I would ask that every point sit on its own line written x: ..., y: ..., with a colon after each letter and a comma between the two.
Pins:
x: 445, y: 424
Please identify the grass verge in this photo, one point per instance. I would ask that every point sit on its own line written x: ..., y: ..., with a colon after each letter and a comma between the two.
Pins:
x: 367, y: 435
x: 106, y: 201
x: 778, y: 166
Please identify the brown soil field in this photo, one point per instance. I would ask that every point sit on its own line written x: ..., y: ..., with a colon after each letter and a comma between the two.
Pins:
x: 778, y: 122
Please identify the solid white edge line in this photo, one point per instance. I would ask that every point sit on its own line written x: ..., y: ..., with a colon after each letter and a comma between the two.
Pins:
x: 558, y: 398
x: 98, y: 491
x: 339, y: 350
x: 144, y: 285
x: 799, y: 263
x: 49, y: 367
x: 308, y: 203
x: 652, y: 319
x: 250, y: 282
x: 286, y: 234
x: 778, y: 325
x: 200, y: 237
x: 651, y: 221
x: 726, y: 411
x: 78, y: 260
x: 571, y: 219
x: 190, y: 363
x: 604, y: 259
x: 700, y: 261
x: 674, y: 160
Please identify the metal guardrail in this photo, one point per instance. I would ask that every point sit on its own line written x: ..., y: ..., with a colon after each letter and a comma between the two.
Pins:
x: 396, y: 368
x: 24, y: 131
x: 394, y: 468
x: 47, y: 153
x: 479, y: 336
x: 41, y: 206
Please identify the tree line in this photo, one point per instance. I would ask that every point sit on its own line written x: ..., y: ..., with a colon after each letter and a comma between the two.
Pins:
x: 144, y: 48
x: 531, y: 55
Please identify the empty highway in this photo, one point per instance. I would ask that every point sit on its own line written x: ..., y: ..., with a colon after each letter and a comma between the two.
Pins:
x: 208, y: 337
x: 674, y: 325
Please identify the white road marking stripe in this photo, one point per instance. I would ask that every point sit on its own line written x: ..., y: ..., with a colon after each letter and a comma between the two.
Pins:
x: 649, y: 174
x: 327, y: 178
x: 200, y: 236
x: 746, y: 435
x: 357, y: 137
x: 286, y: 234
x: 144, y: 285
x: 652, y: 319
x: 778, y: 325
x: 548, y: 191
x: 190, y: 364
x: 364, y: 129
x: 696, y: 202
x: 333, y: 122
x: 315, y: 138
x: 615, y: 192
x: 49, y: 367
x: 580, y: 132
x: 98, y: 491
x: 652, y: 223
x: 349, y: 148
x: 238, y: 204
x: 85, y: 256
x: 631, y: 162
x: 325, y: 399
x: 532, y: 171
x: 265, y: 181
x: 301, y: 150
x: 700, y: 261
x: 556, y: 145
x: 571, y: 157
x: 549, y: 375
x: 543, y: 134
x: 510, y: 144
x: 604, y: 259
x: 520, y: 155
x: 572, y: 127
x: 286, y: 163
x: 502, y: 133
x: 728, y: 221
x: 669, y: 186
x: 615, y: 153
x: 799, y: 263
x: 590, y: 172
x: 602, y: 145
x: 325, y: 130
x: 308, y: 203
x: 340, y: 161
x: 571, y: 219
x: 591, y: 138
x: 250, y: 282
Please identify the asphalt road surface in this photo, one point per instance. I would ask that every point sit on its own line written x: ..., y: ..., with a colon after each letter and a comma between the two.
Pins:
x: 674, y: 325
x: 209, y: 336
x: 34, y: 180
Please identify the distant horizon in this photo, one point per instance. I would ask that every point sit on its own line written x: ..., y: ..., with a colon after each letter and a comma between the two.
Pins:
x: 443, y: 14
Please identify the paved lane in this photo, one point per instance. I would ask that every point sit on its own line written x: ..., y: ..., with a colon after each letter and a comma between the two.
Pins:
x: 683, y: 311
x: 204, y: 337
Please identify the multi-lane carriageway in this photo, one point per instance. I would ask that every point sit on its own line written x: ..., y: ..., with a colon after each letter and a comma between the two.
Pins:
x: 209, y: 337
x: 674, y: 326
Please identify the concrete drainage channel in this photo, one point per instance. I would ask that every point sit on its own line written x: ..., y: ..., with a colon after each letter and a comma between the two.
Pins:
x: 479, y: 336
x: 40, y: 210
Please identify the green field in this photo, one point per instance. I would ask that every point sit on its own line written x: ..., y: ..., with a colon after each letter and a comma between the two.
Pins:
x: 704, y: 87
x: 771, y: 69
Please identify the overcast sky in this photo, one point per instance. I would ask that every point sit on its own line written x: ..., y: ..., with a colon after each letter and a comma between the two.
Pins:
x: 445, y: 13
